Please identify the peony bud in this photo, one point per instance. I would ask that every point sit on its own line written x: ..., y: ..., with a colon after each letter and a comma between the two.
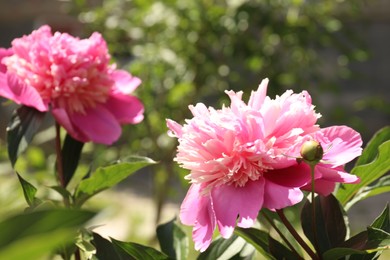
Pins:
x: 312, y: 152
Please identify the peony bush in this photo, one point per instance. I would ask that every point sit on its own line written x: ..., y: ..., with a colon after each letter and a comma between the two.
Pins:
x: 247, y: 164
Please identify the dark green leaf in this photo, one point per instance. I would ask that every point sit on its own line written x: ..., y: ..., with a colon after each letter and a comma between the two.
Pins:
x: 280, y: 251
x: 257, y: 238
x: 173, y: 241
x: 383, y: 220
x: 71, y: 151
x: 29, y: 191
x: 329, y: 223
x: 368, y: 173
x: 24, y: 123
x: 137, y: 251
x: 40, y: 222
x: 223, y: 248
x: 105, y: 250
x: 106, y: 177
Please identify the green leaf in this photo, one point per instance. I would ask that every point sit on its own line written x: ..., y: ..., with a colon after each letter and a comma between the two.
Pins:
x: 105, y: 250
x: 106, y: 177
x: 329, y: 223
x: 383, y: 220
x: 40, y: 222
x: 371, y: 149
x: 380, y: 187
x: 280, y: 251
x: 63, y: 192
x: 25, y: 122
x: 173, y: 240
x: 71, y: 151
x: 223, y: 248
x: 257, y: 238
x: 368, y: 173
x: 29, y: 191
x: 137, y: 251
x: 361, y: 246
x: 37, y: 246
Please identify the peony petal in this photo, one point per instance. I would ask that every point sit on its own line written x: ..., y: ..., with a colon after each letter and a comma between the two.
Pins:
x: 278, y: 197
x: 346, y: 144
x: 61, y: 116
x: 336, y: 175
x: 203, y: 230
x: 230, y: 201
x: 322, y: 187
x: 175, y: 128
x: 13, y: 88
x: 4, y: 53
x: 294, y: 176
x: 190, y: 205
x: 257, y: 97
x: 126, y: 109
x: 124, y: 82
x: 98, y: 125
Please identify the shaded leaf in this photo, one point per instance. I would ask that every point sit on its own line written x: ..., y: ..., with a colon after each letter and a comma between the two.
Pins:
x: 105, y: 249
x: 383, y: 220
x: 29, y: 191
x: 106, y: 177
x: 137, y: 251
x: 173, y: 240
x: 62, y: 191
x: 280, y: 251
x: 223, y: 248
x: 257, y: 238
x: 25, y: 122
x: 329, y: 223
x: 40, y: 222
x: 371, y: 171
x: 71, y: 151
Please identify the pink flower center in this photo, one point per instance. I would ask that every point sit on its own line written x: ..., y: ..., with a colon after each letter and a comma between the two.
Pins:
x: 67, y: 72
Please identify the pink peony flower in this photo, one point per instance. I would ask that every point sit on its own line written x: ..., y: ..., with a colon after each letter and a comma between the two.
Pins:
x: 242, y: 158
x: 74, y: 80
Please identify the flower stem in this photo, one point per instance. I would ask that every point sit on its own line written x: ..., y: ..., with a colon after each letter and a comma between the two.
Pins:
x: 313, y: 208
x: 281, y: 235
x: 59, y: 164
x: 295, y: 234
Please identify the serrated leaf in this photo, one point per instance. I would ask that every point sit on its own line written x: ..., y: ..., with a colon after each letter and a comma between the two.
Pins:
x: 29, y: 191
x: 329, y: 223
x: 173, y: 240
x: 25, y: 122
x: 71, y: 151
x: 368, y: 173
x: 40, y: 222
x: 223, y: 248
x: 106, y: 177
x: 257, y: 238
x: 137, y: 251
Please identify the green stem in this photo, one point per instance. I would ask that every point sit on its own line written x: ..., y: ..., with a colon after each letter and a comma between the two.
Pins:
x: 313, y: 208
x: 295, y: 234
x: 281, y: 235
x: 59, y: 164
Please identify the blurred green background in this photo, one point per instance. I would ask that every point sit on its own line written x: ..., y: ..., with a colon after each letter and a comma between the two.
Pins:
x: 188, y: 51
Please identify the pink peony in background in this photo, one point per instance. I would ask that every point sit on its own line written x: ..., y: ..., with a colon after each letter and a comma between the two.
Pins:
x: 73, y: 79
x: 243, y: 158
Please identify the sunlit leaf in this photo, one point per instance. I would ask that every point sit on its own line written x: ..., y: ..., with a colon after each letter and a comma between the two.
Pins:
x: 106, y: 177
x: 29, y: 191
x: 223, y: 248
x: 330, y: 229
x: 24, y: 123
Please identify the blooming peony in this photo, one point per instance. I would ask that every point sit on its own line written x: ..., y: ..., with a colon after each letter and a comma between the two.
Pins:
x: 243, y: 158
x: 74, y: 80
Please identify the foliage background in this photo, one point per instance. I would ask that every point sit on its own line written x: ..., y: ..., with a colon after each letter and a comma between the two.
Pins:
x: 191, y: 51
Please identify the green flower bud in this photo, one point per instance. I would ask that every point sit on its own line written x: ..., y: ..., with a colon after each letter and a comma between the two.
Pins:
x: 312, y: 152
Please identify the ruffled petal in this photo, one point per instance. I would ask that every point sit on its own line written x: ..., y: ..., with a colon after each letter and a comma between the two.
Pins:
x: 278, y: 197
x: 336, y: 175
x: 126, y: 109
x: 4, y: 53
x: 345, y: 145
x: 257, y: 97
x: 98, y: 125
x: 175, y: 128
x: 230, y: 201
x: 124, y: 82
x: 13, y: 88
